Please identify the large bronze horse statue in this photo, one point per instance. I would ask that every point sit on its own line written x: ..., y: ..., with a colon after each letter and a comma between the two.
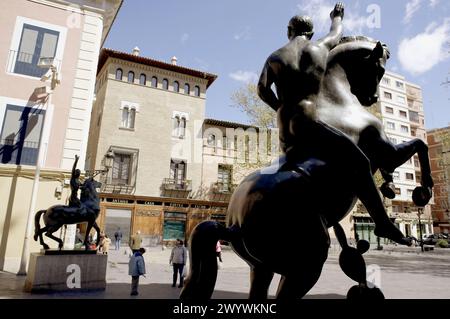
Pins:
x: 278, y: 222
x: 57, y: 216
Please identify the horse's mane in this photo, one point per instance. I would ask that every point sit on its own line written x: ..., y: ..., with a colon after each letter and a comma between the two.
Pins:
x: 355, y: 42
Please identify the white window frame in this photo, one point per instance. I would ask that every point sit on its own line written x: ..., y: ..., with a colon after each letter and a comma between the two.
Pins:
x: 130, y: 106
x: 48, y: 118
x: 15, y: 42
x: 177, y: 131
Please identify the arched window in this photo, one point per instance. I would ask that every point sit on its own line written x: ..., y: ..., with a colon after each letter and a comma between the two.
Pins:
x: 182, y: 129
x: 154, y: 81
x: 128, y: 117
x: 176, y: 86
x: 165, y: 84
x: 176, y: 125
x: 211, y: 140
x: 143, y: 79
x: 131, y: 77
x: 119, y: 74
x: 187, y: 89
x: 197, y: 90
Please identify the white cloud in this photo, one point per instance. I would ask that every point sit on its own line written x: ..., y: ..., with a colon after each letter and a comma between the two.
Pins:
x: 434, y: 3
x: 244, y: 76
x: 411, y: 8
x: 319, y: 11
x: 184, y: 38
x: 244, y: 34
x: 421, y: 53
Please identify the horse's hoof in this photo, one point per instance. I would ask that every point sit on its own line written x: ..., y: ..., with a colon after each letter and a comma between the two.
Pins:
x: 421, y: 196
x: 46, y: 247
x: 388, y: 190
x: 362, y: 246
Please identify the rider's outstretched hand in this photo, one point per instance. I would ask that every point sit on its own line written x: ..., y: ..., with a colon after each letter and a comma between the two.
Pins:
x: 338, y: 11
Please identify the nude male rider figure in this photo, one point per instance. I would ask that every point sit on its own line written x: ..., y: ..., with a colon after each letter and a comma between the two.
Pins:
x: 297, y: 70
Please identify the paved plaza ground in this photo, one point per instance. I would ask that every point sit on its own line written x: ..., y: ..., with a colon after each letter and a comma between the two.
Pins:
x: 405, y: 273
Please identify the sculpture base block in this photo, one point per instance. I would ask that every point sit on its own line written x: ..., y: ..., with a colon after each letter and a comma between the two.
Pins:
x: 53, y: 252
x: 66, y: 273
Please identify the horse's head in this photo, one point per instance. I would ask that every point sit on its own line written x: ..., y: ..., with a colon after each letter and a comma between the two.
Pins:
x: 363, y: 61
x: 89, y: 188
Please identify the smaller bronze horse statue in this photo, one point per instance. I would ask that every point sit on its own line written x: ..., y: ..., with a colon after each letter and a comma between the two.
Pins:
x: 59, y: 215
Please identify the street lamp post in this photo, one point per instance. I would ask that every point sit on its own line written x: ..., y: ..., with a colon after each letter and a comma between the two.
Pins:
x: 420, y: 212
x: 47, y: 63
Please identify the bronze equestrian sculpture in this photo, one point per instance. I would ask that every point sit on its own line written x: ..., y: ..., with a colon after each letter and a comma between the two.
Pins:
x: 56, y: 216
x: 268, y: 210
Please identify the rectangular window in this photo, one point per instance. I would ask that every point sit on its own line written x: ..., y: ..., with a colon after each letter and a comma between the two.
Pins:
x: 20, y: 135
x: 400, y: 99
x: 121, y: 169
x: 35, y: 42
x: 178, y: 171
x: 396, y: 175
x: 409, y: 176
x: 404, y: 129
x: 388, y: 95
x: 403, y: 114
x: 414, y: 117
x: 386, y: 81
x: 410, y: 192
x: 390, y: 125
x: 399, y: 84
x: 398, y: 191
x: 389, y: 110
x: 224, y: 177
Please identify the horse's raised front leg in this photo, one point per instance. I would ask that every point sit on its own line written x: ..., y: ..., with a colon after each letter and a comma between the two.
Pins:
x: 387, y: 156
x: 260, y: 279
x: 49, y: 234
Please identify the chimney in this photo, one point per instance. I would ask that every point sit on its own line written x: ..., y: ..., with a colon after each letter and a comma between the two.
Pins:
x: 174, y: 60
x: 136, y: 51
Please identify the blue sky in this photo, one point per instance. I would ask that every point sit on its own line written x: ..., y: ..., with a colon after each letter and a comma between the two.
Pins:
x: 233, y: 38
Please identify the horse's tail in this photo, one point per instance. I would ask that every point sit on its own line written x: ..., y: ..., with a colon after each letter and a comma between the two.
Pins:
x: 199, y: 284
x: 37, y: 226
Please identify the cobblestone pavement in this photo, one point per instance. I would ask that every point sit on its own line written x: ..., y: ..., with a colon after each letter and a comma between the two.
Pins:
x: 405, y: 273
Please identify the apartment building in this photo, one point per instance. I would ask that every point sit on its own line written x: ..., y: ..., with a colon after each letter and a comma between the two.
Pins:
x: 401, y: 109
x: 439, y: 148
x: 37, y: 34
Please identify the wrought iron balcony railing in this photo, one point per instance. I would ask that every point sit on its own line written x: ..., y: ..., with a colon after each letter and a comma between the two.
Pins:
x: 223, y: 188
x: 27, y: 64
x: 177, y: 184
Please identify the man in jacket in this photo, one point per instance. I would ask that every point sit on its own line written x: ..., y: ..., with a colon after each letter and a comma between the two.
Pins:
x: 178, y: 259
x: 136, y: 268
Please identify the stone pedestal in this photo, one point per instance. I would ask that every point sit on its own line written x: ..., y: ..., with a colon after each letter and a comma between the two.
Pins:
x: 58, y: 273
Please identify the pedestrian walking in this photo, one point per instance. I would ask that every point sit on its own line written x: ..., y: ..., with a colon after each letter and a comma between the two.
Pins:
x: 136, y: 242
x: 136, y: 268
x: 117, y: 238
x: 178, y: 258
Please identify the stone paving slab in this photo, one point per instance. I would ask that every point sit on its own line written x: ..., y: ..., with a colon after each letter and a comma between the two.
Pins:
x: 405, y: 274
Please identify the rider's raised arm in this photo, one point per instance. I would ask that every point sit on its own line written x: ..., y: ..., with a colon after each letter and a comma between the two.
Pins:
x: 265, y: 91
x: 332, y: 39
x: 75, y: 164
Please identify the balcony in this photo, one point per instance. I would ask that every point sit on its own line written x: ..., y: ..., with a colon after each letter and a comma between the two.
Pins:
x: 176, y: 188
x: 18, y: 152
x: 222, y: 188
x: 117, y: 189
x: 27, y: 64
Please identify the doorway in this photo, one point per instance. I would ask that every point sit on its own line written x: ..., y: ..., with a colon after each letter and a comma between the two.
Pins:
x: 115, y: 218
